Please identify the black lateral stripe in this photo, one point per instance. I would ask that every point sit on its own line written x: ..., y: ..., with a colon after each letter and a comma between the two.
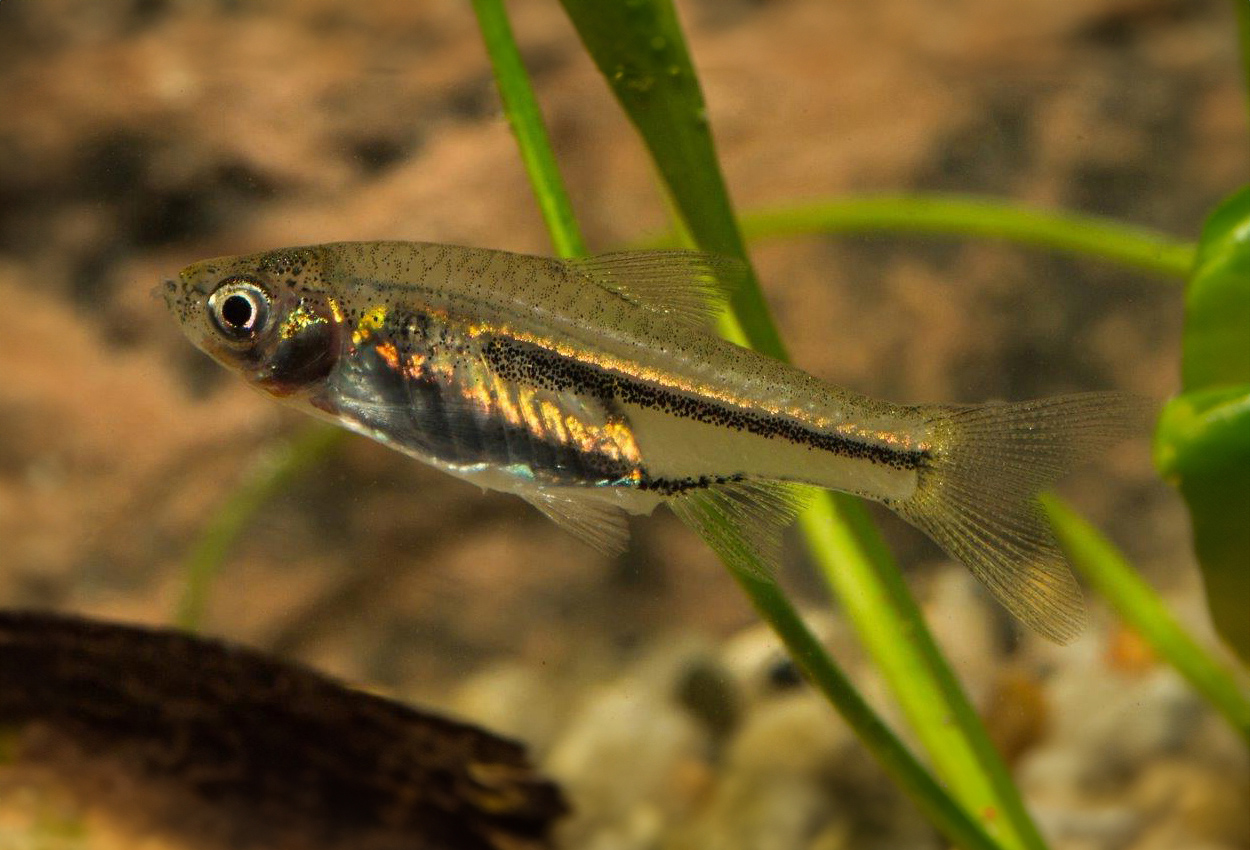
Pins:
x: 676, y: 486
x: 525, y: 362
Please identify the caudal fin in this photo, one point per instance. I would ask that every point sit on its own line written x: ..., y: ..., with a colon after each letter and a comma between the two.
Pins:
x: 977, y: 494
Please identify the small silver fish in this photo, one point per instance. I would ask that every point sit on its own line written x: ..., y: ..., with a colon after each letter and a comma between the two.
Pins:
x: 596, y: 387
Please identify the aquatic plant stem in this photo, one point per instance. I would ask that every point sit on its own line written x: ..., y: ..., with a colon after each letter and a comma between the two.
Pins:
x: 964, y: 216
x: 279, y: 464
x: 859, y: 567
x: 775, y: 609
x: 524, y: 116
x: 766, y: 596
x: 1137, y: 603
x: 641, y: 51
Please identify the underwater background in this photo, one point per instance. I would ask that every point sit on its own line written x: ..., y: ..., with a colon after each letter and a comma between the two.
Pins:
x: 137, y: 137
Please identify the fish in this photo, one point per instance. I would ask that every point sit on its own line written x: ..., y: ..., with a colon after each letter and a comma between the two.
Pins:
x: 596, y: 388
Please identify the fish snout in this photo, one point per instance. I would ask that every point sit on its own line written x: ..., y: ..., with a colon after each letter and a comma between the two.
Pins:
x: 166, y: 289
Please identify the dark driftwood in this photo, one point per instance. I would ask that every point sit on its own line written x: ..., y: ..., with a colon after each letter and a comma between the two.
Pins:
x: 223, y: 745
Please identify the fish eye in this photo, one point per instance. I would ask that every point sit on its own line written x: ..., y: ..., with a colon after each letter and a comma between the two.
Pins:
x: 239, y: 308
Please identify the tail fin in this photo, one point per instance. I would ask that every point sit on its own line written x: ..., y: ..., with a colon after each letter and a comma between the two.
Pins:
x: 976, y: 496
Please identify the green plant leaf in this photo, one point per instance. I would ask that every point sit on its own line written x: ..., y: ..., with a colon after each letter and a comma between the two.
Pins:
x: 969, y: 216
x: 272, y: 472
x: 1133, y: 599
x: 639, y: 48
x: 1202, y: 446
x: 526, y: 121
x: 767, y: 597
x: 1216, y: 348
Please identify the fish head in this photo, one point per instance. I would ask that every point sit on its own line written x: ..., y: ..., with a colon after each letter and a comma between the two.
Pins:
x: 269, y: 316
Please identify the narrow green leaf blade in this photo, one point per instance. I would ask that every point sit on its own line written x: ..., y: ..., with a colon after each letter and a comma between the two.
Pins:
x: 969, y: 216
x: 1133, y: 599
x: 765, y: 595
x: 639, y: 48
x: 525, y: 118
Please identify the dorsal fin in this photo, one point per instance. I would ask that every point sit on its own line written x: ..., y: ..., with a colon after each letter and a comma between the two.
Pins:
x: 689, y: 286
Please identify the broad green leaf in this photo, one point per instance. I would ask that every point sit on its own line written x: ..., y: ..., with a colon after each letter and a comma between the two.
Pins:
x: 1203, y: 447
x: 1216, y: 348
x: 1203, y: 441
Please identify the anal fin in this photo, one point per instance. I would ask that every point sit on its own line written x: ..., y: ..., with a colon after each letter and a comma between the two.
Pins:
x: 598, y: 524
x: 743, y: 521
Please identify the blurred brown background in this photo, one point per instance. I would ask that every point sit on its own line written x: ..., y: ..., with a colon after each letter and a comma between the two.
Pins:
x: 140, y: 136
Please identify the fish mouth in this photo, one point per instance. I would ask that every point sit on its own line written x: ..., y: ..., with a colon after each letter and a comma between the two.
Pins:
x: 166, y: 289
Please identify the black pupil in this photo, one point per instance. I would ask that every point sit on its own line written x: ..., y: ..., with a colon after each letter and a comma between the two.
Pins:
x: 237, y: 311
